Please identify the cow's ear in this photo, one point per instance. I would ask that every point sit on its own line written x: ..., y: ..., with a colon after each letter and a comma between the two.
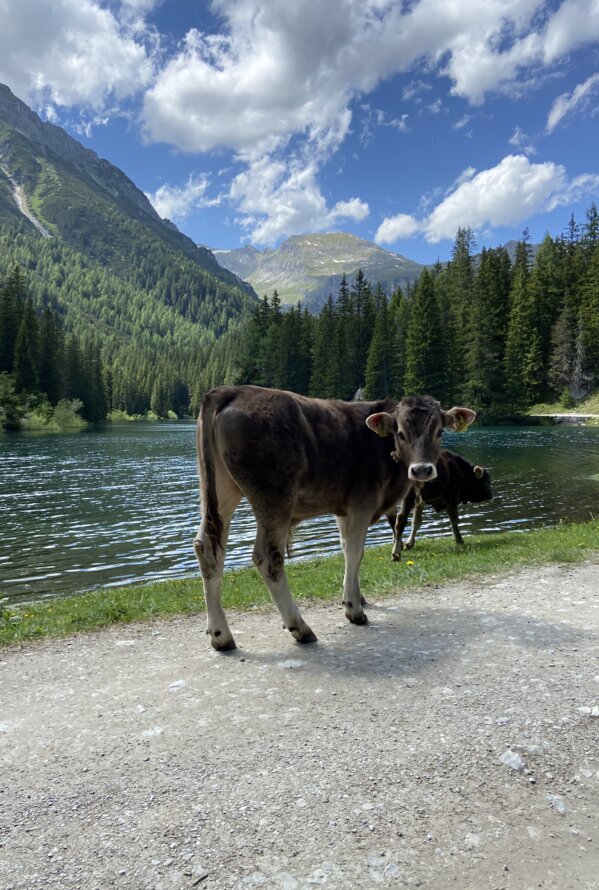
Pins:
x: 382, y: 424
x: 458, y: 419
x: 479, y: 472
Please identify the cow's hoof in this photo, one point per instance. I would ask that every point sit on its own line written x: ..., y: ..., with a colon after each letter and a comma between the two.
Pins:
x: 360, y: 618
x: 363, y: 602
x: 222, y: 644
x: 396, y: 557
x: 409, y: 545
x: 304, y: 636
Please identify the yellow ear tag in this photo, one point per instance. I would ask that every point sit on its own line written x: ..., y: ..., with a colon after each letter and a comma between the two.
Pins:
x: 460, y: 424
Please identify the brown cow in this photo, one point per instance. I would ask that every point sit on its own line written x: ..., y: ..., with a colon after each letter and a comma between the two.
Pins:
x: 294, y: 458
x: 458, y: 482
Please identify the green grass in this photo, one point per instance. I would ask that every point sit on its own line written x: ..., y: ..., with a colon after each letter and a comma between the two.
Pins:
x: 434, y: 561
x: 588, y: 405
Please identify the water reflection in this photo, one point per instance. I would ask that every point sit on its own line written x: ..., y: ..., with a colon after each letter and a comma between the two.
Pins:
x: 119, y: 506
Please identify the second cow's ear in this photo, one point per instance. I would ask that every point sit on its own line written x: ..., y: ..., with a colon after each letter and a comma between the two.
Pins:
x: 458, y: 418
x: 382, y: 424
x: 479, y: 472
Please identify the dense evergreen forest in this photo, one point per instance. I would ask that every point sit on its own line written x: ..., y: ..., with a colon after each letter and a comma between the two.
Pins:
x: 480, y: 330
x: 153, y: 326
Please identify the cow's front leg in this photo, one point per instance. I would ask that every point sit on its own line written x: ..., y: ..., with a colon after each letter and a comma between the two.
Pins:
x: 269, y: 559
x: 400, y: 524
x: 416, y: 523
x: 352, y: 530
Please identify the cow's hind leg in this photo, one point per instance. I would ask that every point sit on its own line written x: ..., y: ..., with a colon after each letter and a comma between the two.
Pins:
x: 352, y: 531
x: 269, y: 559
x: 210, y: 553
x: 452, y: 511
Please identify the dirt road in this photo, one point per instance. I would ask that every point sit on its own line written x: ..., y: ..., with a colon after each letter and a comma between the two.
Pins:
x: 452, y: 743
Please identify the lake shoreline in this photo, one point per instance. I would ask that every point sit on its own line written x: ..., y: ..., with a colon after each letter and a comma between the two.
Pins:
x: 433, y: 562
x: 120, y: 506
x: 504, y: 420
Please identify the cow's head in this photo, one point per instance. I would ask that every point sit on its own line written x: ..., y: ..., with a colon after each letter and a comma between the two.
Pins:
x: 481, y: 486
x: 416, y: 426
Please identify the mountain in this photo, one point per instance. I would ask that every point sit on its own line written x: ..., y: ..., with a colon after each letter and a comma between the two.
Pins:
x: 310, y: 267
x: 58, y: 198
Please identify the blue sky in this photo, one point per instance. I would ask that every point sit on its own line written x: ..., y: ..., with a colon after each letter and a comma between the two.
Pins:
x: 248, y: 122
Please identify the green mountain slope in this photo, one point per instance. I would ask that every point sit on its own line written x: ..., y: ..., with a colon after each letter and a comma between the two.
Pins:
x: 310, y: 267
x: 94, y: 246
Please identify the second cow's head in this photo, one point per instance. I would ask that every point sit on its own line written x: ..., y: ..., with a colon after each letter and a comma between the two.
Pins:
x: 416, y: 426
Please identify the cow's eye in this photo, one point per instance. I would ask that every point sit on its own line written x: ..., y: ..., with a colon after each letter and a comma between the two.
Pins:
x: 439, y: 433
x: 401, y: 436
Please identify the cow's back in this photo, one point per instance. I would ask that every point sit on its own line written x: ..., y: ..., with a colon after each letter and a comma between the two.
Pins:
x: 311, y: 456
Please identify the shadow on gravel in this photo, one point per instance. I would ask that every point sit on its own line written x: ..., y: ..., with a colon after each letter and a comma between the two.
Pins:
x: 402, y: 641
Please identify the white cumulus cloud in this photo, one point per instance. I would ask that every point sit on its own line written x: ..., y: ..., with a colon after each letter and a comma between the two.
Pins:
x: 70, y: 53
x: 279, y: 198
x: 395, y: 227
x: 272, y: 76
x: 504, y: 195
x: 574, y: 24
x: 178, y: 202
x: 281, y: 69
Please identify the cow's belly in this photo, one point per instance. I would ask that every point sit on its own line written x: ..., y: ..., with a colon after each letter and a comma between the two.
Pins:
x: 320, y: 503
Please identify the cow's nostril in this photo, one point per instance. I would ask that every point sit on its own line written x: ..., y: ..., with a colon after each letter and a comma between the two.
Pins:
x: 422, y: 472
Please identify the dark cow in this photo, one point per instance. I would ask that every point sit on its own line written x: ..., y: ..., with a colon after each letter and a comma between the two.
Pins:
x: 295, y: 457
x: 458, y: 482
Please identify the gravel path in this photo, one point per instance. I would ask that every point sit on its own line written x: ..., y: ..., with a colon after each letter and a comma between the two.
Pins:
x: 452, y: 743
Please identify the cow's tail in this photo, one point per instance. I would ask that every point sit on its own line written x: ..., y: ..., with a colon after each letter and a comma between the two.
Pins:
x: 212, y: 403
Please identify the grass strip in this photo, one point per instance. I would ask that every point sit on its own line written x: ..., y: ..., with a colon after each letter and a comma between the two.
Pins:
x: 434, y: 561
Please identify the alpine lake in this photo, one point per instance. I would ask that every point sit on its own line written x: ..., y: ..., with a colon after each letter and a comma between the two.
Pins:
x: 119, y: 506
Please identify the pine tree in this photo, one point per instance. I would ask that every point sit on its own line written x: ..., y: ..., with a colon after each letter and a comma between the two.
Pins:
x: 486, y: 342
x: 180, y: 398
x: 425, y: 358
x: 379, y: 364
x: 345, y: 368
x: 25, y: 363
x: 74, y: 371
x: 523, y: 350
x: 455, y: 290
x: 273, y: 360
x: 590, y: 237
x: 95, y: 405
x: 588, y: 318
x: 297, y: 331
x: 362, y: 326
x: 324, y: 379
x: 563, y: 353
x: 399, y: 318
x: 12, y: 299
x: 51, y: 368
x: 547, y: 292
x: 160, y: 401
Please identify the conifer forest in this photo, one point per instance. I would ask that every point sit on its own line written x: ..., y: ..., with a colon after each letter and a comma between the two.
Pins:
x: 494, y: 332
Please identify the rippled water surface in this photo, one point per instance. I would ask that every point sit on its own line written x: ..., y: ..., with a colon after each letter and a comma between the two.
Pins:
x: 120, y: 506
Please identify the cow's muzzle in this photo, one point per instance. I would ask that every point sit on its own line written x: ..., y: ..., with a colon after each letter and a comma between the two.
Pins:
x: 422, y: 472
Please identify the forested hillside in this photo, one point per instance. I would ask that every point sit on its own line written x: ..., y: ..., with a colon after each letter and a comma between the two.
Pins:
x: 479, y: 330
x: 87, y: 245
x: 152, y: 356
